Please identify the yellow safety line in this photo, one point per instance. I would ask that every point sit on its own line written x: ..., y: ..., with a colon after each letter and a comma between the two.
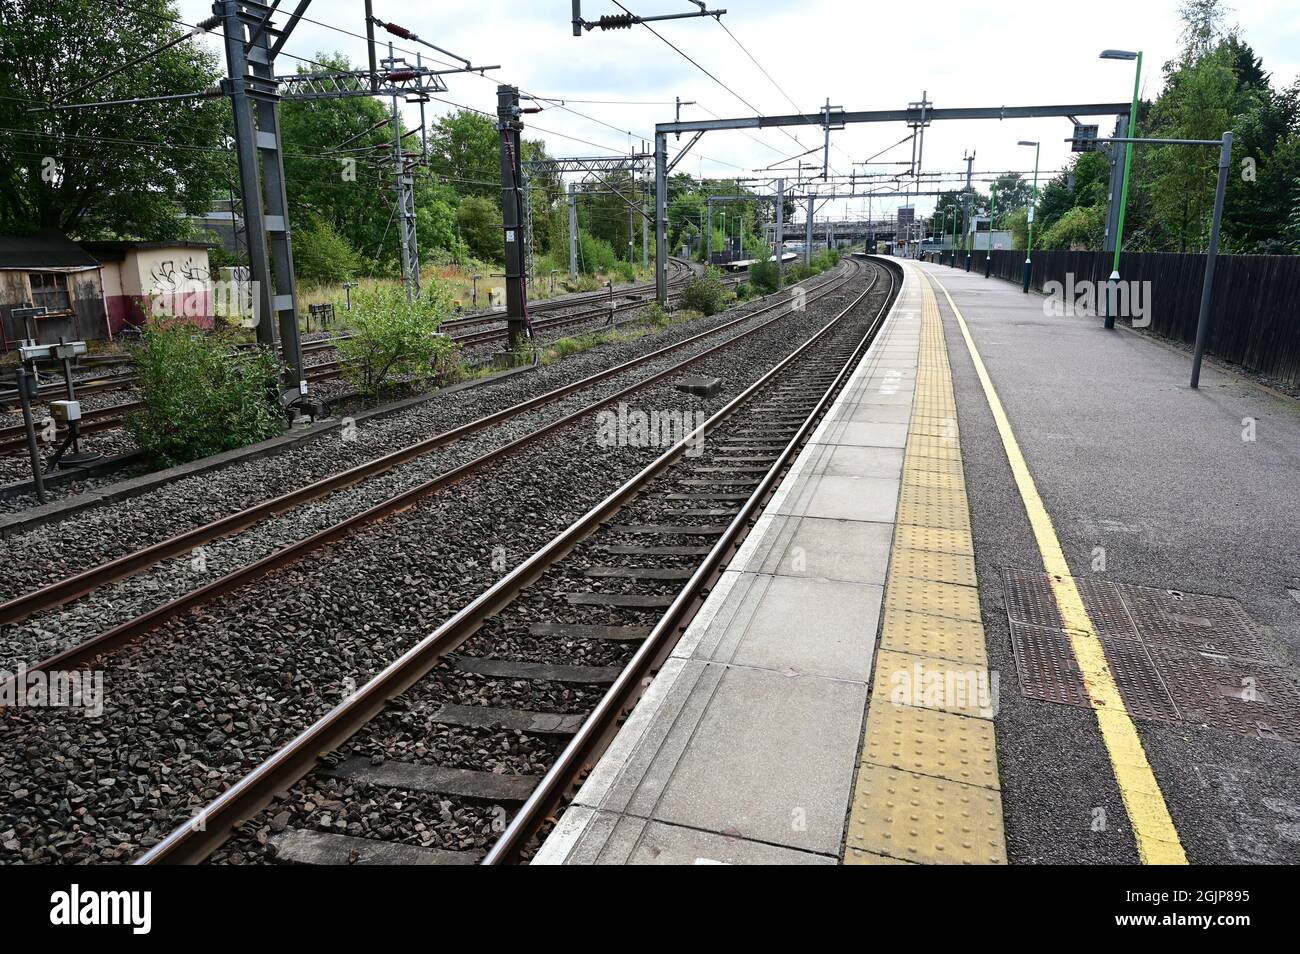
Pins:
x: 1157, y: 839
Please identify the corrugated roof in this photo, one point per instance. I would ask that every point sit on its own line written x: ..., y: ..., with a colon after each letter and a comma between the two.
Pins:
x: 45, y: 249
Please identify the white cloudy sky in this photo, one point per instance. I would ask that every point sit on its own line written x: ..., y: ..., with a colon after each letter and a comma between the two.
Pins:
x: 863, y: 55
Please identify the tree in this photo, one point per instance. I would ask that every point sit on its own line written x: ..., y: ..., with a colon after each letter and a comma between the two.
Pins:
x: 479, y: 221
x: 1017, y: 223
x: 85, y: 171
x: 465, y: 147
x: 1081, y: 227
x: 322, y: 256
x: 1199, y: 102
x: 346, y: 187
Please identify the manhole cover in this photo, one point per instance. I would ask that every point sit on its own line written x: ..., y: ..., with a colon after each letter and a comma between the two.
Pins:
x: 1232, y: 694
x: 1047, y: 668
x: 1175, y: 656
x: 1192, y: 621
x: 1030, y: 599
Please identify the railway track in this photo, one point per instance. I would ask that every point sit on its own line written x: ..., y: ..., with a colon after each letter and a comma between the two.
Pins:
x: 632, y: 572
x: 96, y: 650
x: 69, y: 588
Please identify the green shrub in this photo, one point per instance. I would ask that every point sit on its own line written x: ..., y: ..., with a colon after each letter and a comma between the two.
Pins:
x: 595, y: 255
x: 705, y: 293
x: 625, y: 272
x: 743, y: 291
x: 763, y: 275
x: 202, y: 395
x: 322, y: 256
x: 392, y: 337
x: 655, y: 315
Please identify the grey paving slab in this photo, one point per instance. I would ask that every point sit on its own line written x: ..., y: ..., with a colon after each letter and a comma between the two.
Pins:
x: 838, y: 497
x: 772, y: 759
x: 852, y: 461
x: 605, y: 838
x: 867, y: 413
x: 811, y: 547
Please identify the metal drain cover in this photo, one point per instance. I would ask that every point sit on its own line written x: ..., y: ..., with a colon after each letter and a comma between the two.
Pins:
x: 1175, y: 656
x: 1232, y: 694
x: 1047, y: 669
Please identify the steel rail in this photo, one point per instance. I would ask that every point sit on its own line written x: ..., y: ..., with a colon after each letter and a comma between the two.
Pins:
x: 192, y: 842
x: 61, y: 591
x: 603, y: 721
x: 88, y: 650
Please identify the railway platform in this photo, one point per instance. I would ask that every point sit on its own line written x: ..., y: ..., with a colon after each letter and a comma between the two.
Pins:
x: 1024, y: 597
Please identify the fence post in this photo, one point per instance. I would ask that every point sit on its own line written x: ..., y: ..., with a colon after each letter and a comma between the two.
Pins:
x: 1207, y: 286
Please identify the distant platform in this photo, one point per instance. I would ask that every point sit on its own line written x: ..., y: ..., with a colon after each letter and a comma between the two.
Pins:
x: 746, y: 263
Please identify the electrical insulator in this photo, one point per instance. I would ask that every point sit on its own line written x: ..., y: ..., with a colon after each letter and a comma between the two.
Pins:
x: 398, y: 75
x: 620, y: 21
x: 396, y: 30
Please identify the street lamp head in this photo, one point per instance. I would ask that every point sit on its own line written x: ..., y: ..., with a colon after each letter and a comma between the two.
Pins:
x: 1026, y: 142
x: 1118, y: 55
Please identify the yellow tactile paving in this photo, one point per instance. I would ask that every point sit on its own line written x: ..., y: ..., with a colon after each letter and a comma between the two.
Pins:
x: 927, y: 497
x: 945, y: 745
x: 855, y: 856
x: 927, y: 788
x: 958, y: 568
x: 933, y: 538
x: 928, y: 682
x: 949, y: 480
x: 924, y: 635
x: 929, y: 596
x: 929, y: 820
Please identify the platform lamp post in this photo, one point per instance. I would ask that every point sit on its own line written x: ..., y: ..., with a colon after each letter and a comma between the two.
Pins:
x: 993, y: 209
x: 1033, y: 201
x: 1128, y: 165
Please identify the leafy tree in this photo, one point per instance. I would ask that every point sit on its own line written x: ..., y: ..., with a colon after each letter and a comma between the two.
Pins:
x: 347, y: 187
x: 83, y: 171
x: 322, y: 256
x: 479, y: 221
x: 1017, y: 223
x: 464, y: 147
x: 1081, y: 227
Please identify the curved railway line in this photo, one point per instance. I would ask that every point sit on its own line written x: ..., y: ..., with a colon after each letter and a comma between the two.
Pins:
x: 757, y: 434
